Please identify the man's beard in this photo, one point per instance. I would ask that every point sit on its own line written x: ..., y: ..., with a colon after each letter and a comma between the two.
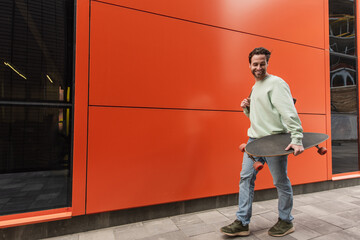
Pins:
x: 259, y: 74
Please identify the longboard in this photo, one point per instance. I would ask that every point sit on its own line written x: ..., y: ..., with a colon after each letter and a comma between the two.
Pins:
x: 274, y: 145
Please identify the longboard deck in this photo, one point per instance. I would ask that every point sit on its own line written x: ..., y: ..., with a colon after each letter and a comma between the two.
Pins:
x: 274, y: 145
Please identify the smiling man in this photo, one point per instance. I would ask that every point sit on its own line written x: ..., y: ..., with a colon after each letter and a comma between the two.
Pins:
x: 271, y: 110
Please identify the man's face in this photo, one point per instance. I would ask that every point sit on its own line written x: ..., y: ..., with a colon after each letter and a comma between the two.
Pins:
x: 258, y: 66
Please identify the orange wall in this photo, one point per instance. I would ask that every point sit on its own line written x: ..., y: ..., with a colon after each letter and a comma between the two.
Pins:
x: 165, y: 82
x: 293, y: 21
x: 147, y: 60
x: 81, y: 107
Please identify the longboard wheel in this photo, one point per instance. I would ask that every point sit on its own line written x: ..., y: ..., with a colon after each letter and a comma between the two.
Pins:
x: 322, y: 151
x: 242, y: 147
x: 258, y: 166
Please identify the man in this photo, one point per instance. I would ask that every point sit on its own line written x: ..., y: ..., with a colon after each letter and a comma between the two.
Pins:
x: 271, y: 110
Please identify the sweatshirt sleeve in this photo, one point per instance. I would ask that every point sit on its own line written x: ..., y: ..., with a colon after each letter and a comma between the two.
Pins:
x: 283, y: 102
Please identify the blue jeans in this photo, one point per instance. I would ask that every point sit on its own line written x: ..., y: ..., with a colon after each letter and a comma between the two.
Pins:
x: 278, y: 170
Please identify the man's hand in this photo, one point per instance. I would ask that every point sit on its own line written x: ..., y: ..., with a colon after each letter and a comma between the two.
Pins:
x: 245, y: 103
x: 298, y: 149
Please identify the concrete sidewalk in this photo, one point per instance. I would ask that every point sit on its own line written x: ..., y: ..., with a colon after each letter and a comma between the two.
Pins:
x: 327, y: 215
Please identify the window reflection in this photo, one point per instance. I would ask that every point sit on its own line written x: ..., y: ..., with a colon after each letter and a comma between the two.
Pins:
x: 342, y: 27
x: 344, y: 87
x: 34, y: 138
x: 35, y: 49
x: 342, y: 34
x: 35, y: 158
x: 36, y: 71
x: 342, y: 71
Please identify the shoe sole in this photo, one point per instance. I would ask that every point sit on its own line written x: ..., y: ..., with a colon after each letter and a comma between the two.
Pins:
x: 243, y: 233
x: 283, y: 234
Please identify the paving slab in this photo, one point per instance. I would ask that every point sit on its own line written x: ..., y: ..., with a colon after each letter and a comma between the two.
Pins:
x: 321, y: 226
x: 342, y: 235
x: 355, y: 232
x: 186, y: 219
x: 313, y: 210
x: 220, y: 236
x: 107, y: 234
x: 176, y: 235
x: 131, y: 231
x: 210, y: 217
x: 263, y: 235
x: 228, y: 212
x: 304, y: 233
x: 67, y: 237
x: 196, y: 229
x: 259, y: 223
x: 353, y: 215
x: 339, y: 221
x: 159, y: 226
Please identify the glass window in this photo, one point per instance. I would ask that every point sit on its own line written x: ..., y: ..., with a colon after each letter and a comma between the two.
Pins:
x: 35, y: 152
x: 344, y: 86
x: 36, y: 50
x: 36, y: 105
x: 34, y: 138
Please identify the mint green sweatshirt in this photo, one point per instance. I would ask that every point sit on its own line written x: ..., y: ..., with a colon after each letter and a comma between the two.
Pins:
x: 272, y: 110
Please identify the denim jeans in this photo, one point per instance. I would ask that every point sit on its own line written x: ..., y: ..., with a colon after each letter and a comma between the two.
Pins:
x: 278, y: 170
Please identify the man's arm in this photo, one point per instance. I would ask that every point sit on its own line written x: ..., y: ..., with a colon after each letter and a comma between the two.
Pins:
x: 282, y: 100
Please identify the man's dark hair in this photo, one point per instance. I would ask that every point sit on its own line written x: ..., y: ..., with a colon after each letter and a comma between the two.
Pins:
x: 260, y: 51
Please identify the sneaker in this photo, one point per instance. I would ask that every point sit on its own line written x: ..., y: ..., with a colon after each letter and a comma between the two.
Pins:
x: 236, y: 229
x: 281, y: 228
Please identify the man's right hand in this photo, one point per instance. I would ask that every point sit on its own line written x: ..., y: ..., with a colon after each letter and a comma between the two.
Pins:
x: 298, y: 149
x: 245, y: 103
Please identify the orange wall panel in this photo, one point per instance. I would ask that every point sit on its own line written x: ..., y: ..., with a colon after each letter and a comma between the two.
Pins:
x: 310, y: 166
x: 141, y: 156
x: 81, y: 108
x: 295, y: 21
x: 142, y: 59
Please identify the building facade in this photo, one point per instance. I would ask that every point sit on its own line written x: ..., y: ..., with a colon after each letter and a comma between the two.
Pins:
x: 110, y: 105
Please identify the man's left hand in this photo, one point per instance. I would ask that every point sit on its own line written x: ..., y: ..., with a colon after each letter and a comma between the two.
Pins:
x: 298, y: 149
